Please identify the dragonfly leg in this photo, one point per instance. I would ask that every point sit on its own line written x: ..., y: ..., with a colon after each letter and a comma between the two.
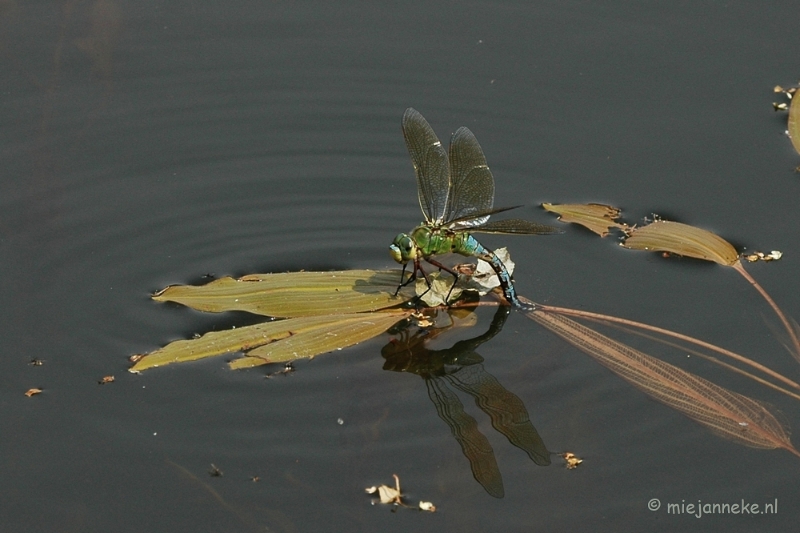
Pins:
x: 406, y: 282
x: 442, y: 267
x: 413, y: 277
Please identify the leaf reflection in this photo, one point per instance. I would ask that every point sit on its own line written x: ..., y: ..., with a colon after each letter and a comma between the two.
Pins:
x: 461, y: 368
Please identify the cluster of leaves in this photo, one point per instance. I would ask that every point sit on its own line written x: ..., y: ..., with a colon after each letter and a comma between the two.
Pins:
x: 322, y: 311
x: 726, y: 413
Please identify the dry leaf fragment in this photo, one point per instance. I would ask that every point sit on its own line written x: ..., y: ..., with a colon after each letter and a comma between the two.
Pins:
x: 388, y: 494
x: 36, y: 362
x: 774, y: 255
x: 33, y: 392
x: 423, y: 320
x: 598, y: 218
x: 427, y: 506
x: 106, y: 379
x: 572, y: 460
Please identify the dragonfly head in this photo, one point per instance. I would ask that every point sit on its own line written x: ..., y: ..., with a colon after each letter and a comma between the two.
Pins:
x: 403, y: 249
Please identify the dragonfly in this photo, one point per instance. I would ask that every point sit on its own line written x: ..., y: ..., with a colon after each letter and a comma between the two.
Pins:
x: 456, y: 194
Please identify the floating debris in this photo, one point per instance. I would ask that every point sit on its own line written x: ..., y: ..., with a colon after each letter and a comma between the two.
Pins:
x: 774, y: 255
x: 427, y: 506
x: 393, y: 496
x: 287, y: 369
x: 572, y: 460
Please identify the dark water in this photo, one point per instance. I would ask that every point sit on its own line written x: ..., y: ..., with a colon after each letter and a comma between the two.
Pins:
x: 144, y: 144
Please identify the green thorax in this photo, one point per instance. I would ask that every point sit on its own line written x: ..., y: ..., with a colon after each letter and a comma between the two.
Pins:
x: 436, y: 241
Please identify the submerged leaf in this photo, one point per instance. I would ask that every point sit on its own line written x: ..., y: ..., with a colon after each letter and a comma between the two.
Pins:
x: 598, y: 218
x: 729, y: 414
x: 682, y: 239
x: 293, y: 294
x: 309, y: 336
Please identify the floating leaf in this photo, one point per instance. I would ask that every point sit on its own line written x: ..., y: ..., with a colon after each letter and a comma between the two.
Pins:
x: 33, y: 392
x: 794, y: 124
x: 341, y: 332
x: 598, y: 218
x: 729, y: 414
x: 682, y: 239
x: 293, y: 338
x: 293, y: 294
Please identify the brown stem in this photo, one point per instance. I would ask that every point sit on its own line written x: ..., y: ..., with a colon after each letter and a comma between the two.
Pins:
x: 792, y: 333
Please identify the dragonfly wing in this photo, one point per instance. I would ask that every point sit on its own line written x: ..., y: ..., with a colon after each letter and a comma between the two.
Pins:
x: 430, y: 165
x: 518, y: 226
x: 472, y: 181
x: 468, y: 221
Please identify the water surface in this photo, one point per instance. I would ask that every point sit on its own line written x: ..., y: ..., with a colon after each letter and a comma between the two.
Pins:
x: 154, y: 143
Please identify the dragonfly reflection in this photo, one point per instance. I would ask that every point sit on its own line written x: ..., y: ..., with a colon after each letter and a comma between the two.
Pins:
x: 461, y: 368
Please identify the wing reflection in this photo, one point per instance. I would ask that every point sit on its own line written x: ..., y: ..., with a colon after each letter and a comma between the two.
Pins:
x: 461, y: 368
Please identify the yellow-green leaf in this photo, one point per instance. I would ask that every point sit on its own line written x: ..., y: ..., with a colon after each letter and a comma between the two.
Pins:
x: 794, y: 123
x: 344, y: 331
x: 598, y: 218
x: 294, y: 294
x: 682, y: 239
x: 245, y: 339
